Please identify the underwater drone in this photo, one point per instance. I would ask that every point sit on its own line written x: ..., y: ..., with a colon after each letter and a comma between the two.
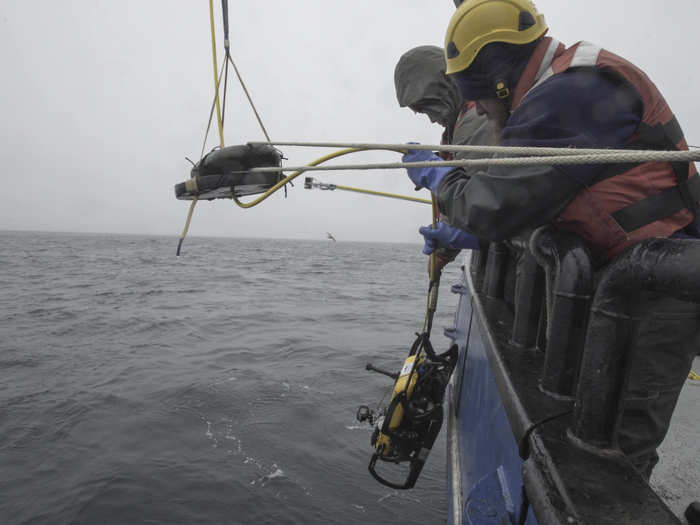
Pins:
x: 406, y: 429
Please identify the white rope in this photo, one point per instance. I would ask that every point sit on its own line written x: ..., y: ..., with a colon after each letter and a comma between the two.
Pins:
x: 250, y: 100
x: 507, y: 150
x: 635, y: 157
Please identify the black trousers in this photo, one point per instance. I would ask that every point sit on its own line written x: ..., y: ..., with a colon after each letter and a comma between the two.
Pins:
x: 665, y: 339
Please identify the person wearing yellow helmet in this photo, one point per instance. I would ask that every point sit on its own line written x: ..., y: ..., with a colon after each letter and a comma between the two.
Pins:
x: 493, y: 40
x: 542, y: 93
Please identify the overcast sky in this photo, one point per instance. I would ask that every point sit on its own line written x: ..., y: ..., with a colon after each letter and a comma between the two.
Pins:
x: 102, y: 100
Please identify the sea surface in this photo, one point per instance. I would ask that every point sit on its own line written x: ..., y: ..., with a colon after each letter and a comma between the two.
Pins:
x: 218, y: 387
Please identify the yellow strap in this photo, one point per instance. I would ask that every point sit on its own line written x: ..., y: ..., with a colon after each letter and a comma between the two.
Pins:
x: 218, y: 118
x: 187, y: 225
x: 383, y: 194
x: 433, y: 256
x: 693, y: 376
x: 216, y: 76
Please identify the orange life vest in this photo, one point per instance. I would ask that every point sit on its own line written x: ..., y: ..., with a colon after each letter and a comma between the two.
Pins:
x: 626, y: 203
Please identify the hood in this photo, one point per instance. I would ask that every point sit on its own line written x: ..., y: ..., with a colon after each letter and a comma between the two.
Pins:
x: 420, y: 77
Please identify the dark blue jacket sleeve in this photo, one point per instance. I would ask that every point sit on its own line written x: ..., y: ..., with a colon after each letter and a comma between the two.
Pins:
x: 583, y: 108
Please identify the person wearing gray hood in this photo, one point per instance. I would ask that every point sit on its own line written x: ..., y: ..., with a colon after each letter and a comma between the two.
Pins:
x: 422, y: 85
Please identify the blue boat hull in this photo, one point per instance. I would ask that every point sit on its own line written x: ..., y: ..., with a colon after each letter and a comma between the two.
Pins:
x: 485, y: 480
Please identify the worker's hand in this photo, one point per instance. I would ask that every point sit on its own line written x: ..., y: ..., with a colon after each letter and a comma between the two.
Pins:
x: 446, y: 236
x: 429, y: 177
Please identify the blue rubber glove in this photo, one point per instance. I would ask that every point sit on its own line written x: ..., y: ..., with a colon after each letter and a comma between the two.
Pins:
x: 446, y: 236
x: 425, y: 177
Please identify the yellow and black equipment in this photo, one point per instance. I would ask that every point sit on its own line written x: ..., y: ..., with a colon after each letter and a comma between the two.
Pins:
x: 406, y: 429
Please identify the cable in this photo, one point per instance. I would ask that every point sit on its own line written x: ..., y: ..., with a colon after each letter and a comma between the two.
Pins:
x: 382, y: 194
x: 563, y: 160
x: 187, y: 226
x: 245, y: 90
x: 216, y: 77
x: 332, y: 187
x: 506, y: 150
x: 211, y: 116
x: 294, y: 175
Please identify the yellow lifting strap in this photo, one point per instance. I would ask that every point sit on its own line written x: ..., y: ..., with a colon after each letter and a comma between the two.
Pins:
x: 381, y: 194
x: 216, y: 75
x: 219, y: 120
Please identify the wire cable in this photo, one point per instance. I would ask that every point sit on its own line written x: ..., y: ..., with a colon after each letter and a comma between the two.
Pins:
x: 333, y: 187
x: 563, y: 160
x: 294, y: 175
x: 250, y: 100
x: 455, y: 148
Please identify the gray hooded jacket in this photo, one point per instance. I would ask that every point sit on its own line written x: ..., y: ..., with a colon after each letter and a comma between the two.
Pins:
x: 420, y: 79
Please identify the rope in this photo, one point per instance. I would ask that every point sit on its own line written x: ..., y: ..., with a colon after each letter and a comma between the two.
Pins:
x: 225, y: 91
x: 245, y: 90
x: 227, y: 45
x: 608, y: 158
x: 506, y: 150
x: 187, y: 226
x: 692, y: 375
x: 382, y: 194
x: 211, y: 116
x: 289, y: 178
x: 252, y: 105
x: 216, y: 77
x: 332, y: 187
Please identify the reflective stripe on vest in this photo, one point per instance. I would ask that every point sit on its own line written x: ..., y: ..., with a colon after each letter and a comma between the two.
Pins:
x: 633, y: 202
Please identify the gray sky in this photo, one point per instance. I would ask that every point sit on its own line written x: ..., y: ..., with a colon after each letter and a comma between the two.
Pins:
x: 102, y: 100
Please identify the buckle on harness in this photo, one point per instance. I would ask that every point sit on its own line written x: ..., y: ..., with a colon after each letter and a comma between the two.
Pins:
x: 502, y: 92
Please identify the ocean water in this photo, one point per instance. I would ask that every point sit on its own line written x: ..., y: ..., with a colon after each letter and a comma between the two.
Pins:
x: 219, y: 387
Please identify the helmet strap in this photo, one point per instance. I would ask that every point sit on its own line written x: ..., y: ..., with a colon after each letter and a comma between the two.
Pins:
x: 502, y: 90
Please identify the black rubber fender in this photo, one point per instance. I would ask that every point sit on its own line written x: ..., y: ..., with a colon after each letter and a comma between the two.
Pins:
x: 692, y: 513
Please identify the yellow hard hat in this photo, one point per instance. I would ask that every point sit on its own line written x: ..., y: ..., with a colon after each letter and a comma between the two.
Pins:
x: 480, y: 22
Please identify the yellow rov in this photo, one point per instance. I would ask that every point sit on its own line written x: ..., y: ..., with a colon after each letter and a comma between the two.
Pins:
x: 406, y: 429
